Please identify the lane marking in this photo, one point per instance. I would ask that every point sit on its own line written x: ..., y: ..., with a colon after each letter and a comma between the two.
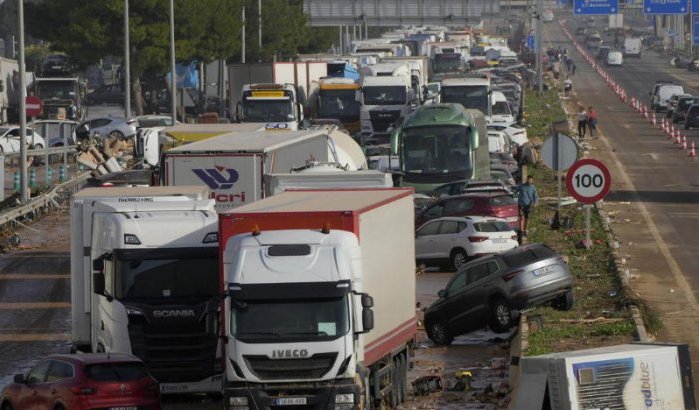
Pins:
x: 24, y: 276
x: 33, y: 305
x: 34, y: 337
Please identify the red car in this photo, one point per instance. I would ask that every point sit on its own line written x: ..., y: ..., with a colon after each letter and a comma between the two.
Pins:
x: 497, y: 204
x: 84, y: 381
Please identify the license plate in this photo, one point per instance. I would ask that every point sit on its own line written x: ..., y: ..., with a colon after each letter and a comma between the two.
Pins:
x: 123, y: 408
x: 499, y: 240
x: 289, y: 401
x: 545, y: 270
x: 173, y: 388
x: 512, y: 218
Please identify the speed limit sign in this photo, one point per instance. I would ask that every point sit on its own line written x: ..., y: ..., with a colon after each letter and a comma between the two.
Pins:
x: 588, y: 180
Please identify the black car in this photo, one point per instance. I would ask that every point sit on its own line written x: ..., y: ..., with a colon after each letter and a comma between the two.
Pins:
x: 692, y: 118
x: 56, y: 65
x: 683, y: 104
x: 491, y: 289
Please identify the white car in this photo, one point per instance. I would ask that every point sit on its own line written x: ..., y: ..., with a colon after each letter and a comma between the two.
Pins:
x: 615, y: 58
x: 453, y: 241
x: 9, y: 139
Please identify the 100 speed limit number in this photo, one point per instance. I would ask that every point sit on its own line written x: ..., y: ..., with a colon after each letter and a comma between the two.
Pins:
x: 588, y: 180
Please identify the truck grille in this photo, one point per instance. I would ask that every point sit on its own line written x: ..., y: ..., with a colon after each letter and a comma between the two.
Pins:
x: 381, y: 120
x: 174, y: 352
x: 278, y: 369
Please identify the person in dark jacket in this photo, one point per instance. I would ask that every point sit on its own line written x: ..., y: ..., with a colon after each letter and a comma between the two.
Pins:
x: 527, y: 197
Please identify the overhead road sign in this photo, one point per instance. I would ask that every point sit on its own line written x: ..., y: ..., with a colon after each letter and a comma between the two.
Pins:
x: 695, y: 7
x: 665, y: 6
x: 602, y: 7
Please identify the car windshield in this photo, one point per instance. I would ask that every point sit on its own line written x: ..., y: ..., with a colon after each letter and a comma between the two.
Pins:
x: 441, y: 149
x: 492, y: 226
x: 337, y: 103
x: 447, y: 62
x: 155, y: 122
x: 384, y: 95
x: 3, y: 130
x: 501, y: 108
x: 682, y: 104
x: 291, y: 320
x: 116, y: 372
x: 268, y: 110
x: 475, y: 97
x: 166, y: 274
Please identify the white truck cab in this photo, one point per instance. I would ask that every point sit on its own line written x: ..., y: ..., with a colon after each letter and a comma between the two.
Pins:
x: 387, y: 97
x: 144, y: 281
x: 275, y: 105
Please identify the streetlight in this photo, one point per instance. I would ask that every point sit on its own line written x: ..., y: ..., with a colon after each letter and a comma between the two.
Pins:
x: 23, y: 192
x: 173, y: 82
x: 127, y: 63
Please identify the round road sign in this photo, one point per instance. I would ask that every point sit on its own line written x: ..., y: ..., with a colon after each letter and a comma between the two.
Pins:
x: 33, y: 106
x: 588, y: 180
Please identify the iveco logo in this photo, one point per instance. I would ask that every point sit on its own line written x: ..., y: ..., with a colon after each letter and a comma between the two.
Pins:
x: 289, y: 353
x: 173, y: 313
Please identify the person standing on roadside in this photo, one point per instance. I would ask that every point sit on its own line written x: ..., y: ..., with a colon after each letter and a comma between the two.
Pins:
x: 591, y: 120
x: 582, y: 122
x: 527, y: 196
x: 567, y: 86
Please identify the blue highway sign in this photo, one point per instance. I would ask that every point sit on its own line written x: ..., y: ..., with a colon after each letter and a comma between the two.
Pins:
x: 665, y: 6
x: 596, y: 6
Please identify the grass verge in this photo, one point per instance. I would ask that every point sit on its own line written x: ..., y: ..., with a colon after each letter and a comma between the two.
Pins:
x: 600, y: 315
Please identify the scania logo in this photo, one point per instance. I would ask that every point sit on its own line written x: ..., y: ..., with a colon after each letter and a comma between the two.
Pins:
x: 289, y: 353
x: 216, y: 178
x: 173, y: 313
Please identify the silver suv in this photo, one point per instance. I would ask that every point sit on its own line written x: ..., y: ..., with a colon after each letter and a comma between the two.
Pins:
x: 488, y: 289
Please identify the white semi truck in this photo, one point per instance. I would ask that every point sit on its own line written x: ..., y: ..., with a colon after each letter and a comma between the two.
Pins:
x: 387, y: 96
x: 320, y: 299
x: 145, y: 281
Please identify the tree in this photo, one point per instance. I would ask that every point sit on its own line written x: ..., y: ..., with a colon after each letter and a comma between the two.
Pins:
x: 88, y: 30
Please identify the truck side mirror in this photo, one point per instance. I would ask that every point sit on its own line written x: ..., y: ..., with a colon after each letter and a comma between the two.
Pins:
x: 473, y: 135
x: 367, y: 319
x: 98, y: 264
x: 98, y: 283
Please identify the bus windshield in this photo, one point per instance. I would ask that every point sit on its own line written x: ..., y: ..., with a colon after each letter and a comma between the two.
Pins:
x: 470, y: 96
x: 436, y: 150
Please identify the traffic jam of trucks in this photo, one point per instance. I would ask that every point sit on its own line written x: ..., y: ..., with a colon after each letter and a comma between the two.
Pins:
x: 273, y: 260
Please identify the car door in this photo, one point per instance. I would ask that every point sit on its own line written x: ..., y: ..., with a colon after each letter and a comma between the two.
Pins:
x: 474, y: 296
x: 58, y: 382
x: 458, y: 207
x: 12, y: 140
x: 100, y: 126
x: 425, y: 240
x: 432, y: 212
x: 29, y: 394
x: 447, y: 239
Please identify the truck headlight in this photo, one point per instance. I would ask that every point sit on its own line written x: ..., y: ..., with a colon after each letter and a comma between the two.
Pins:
x: 238, y: 403
x: 344, y: 398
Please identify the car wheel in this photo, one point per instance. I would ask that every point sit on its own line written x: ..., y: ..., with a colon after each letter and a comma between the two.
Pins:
x: 59, y: 407
x: 564, y: 302
x: 500, y: 316
x: 439, y: 334
x: 459, y: 258
x: 117, y: 135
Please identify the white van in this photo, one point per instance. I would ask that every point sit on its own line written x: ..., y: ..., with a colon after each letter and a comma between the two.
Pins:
x: 501, y: 110
x: 615, y: 58
x: 662, y: 94
x: 632, y: 46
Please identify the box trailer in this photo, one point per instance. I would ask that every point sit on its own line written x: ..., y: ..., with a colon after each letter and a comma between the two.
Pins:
x: 630, y: 376
x: 232, y: 165
x: 320, y: 298
x: 329, y: 177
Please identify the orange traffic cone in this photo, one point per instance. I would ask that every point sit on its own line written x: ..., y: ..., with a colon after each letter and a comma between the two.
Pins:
x: 692, y: 152
x: 684, y: 142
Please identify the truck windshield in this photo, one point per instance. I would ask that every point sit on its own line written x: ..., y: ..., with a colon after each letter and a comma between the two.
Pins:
x: 470, y: 96
x: 290, y: 320
x: 166, y: 274
x: 435, y: 150
x: 337, y: 104
x: 47, y: 90
x: 268, y: 110
x: 446, y: 62
x: 501, y: 108
x: 388, y: 95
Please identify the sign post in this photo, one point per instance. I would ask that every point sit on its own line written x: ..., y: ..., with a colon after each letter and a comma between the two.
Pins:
x: 559, y: 153
x: 588, y: 181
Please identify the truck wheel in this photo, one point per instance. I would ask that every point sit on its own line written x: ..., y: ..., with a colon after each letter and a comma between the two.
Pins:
x: 439, y: 334
x: 394, y: 395
x: 564, y: 302
x: 500, y: 316
x: 403, y: 376
x: 459, y: 258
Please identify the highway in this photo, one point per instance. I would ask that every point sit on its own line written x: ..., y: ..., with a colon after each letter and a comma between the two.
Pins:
x: 655, y: 187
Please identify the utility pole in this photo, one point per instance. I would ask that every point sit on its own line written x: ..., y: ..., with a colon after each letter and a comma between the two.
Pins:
x: 127, y: 63
x: 173, y: 68
x: 539, y: 48
x: 242, y: 36
x: 259, y: 25
x: 23, y: 192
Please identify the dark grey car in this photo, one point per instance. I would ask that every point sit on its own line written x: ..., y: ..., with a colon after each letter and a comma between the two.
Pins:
x: 488, y: 290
